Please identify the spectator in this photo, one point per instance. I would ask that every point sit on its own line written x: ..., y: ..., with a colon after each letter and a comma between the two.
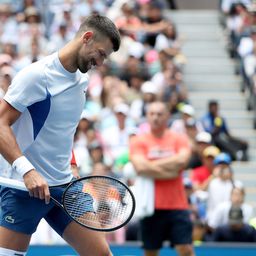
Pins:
x: 60, y: 38
x: 191, y: 130
x: 220, y: 214
x: 160, y: 155
x: 115, y: 138
x: 202, y: 175
x: 179, y: 125
x: 220, y: 187
x: 139, y: 107
x: 215, y: 124
x: 202, y: 141
x: 192, y: 199
x: 236, y: 230
x: 167, y: 41
x: 128, y: 17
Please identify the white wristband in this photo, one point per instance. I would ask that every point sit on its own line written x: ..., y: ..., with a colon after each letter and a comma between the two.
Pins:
x: 22, y: 165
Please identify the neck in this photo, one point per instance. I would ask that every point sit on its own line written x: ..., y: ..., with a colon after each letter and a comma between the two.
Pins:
x: 68, y: 56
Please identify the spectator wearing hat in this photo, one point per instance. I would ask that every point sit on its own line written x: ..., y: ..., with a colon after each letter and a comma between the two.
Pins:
x: 220, y: 214
x: 220, y: 187
x: 191, y: 130
x: 235, y: 230
x: 202, y: 175
x: 139, y: 106
x: 115, y: 138
x: 32, y: 18
x: 201, y: 141
x: 179, y: 125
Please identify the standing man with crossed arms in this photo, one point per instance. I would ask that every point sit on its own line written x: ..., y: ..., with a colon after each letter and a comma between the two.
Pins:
x: 162, y: 154
x: 38, y: 118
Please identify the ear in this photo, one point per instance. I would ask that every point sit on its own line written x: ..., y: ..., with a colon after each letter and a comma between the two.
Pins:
x: 87, y: 36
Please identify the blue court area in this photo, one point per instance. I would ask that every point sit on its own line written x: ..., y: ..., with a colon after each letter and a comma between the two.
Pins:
x: 133, y: 249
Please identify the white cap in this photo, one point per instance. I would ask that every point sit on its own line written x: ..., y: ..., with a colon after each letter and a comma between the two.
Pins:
x: 204, y: 137
x: 86, y: 115
x: 188, y: 109
x: 136, y: 49
x: 122, y: 108
x: 149, y: 87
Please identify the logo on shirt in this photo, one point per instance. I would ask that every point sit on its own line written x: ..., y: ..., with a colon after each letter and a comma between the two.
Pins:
x: 9, y: 219
x: 158, y: 152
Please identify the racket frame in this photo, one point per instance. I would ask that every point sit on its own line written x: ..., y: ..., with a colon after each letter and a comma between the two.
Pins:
x: 99, y: 176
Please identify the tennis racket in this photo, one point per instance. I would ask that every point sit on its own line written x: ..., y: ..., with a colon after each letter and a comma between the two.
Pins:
x: 100, y: 203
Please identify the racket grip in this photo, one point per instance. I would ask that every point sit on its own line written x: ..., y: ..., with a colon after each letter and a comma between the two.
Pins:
x: 10, y: 183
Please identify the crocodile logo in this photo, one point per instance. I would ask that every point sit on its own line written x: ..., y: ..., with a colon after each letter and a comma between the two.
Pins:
x: 9, y: 219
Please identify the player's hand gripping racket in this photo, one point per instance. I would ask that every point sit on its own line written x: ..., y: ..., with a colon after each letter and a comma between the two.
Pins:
x: 100, y: 203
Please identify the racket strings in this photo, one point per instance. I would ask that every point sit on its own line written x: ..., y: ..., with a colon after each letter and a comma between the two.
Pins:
x: 98, y: 203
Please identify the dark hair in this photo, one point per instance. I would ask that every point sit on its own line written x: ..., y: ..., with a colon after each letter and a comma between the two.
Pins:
x: 103, y: 26
x: 213, y: 103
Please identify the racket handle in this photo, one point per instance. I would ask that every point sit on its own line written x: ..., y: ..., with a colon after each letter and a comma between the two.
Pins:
x: 10, y: 183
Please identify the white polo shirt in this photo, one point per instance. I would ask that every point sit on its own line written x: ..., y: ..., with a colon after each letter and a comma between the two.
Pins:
x: 51, y: 100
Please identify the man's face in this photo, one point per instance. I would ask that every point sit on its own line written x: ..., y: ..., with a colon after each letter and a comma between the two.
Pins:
x: 237, y: 197
x: 93, y: 53
x: 157, y: 116
x: 214, y: 109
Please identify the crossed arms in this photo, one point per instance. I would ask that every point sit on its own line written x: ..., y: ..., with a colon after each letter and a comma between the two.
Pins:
x: 164, y: 168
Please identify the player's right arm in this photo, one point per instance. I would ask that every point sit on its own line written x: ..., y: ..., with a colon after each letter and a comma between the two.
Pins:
x: 10, y: 150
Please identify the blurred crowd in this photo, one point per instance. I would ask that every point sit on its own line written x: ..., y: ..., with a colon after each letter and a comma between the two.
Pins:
x: 239, y: 21
x: 147, y: 68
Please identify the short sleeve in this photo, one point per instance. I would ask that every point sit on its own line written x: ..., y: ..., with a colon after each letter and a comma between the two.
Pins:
x: 137, y: 146
x: 27, y: 88
x: 182, y: 142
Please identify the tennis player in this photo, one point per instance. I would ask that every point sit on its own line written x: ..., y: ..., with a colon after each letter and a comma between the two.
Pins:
x: 38, y: 118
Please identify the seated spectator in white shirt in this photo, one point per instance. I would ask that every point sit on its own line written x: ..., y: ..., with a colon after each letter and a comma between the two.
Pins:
x: 116, y: 137
x: 220, y: 214
x: 179, y: 125
x: 220, y: 187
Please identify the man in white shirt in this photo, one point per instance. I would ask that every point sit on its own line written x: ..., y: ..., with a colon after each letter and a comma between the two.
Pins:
x: 38, y: 118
